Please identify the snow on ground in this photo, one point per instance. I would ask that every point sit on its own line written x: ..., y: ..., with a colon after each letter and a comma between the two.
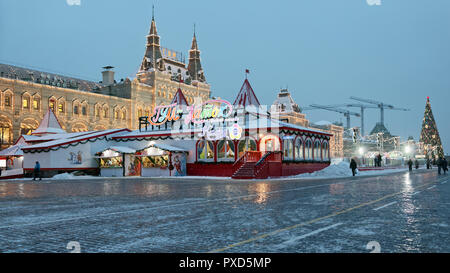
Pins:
x: 69, y: 176
x: 339, y: 168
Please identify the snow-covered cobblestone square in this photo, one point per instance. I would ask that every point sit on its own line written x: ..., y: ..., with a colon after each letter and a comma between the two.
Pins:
x: 403, y: 212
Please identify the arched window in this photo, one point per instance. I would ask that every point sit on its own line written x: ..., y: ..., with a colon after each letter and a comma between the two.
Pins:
x: 52, y: 104
x: 288, y: 149
x: 8, y: 100
x: 76, y: 109
x: 84, y: 110
x: 36, y: 103
x: 26, y: 102
x: 61, y: 107
x: 246, y: 145
x: 124, y: 114
x: 225, y: 150
x: 116, y: 114
x: 325, y: 154
x: 139, y: 113
x: 317, y: 151
x: 299, y: 149
x: 205, y: 150
x: 105, y: 112
x: 308, y: 149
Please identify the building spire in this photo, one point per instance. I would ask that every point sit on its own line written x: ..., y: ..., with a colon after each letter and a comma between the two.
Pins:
x: 153, y: 56
x: 195, y: 66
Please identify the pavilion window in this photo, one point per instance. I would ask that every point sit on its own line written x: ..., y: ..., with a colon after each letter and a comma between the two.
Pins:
x: 225, y: 150
x: 325, y: 154
x: 317, y: 151
x: 308, y: 150
x: 298, y: 149
x: 246, y: 145
x: 288, y: 149
x: 205, y: 150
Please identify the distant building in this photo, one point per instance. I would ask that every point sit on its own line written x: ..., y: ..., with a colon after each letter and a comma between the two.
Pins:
x: 80, y: 105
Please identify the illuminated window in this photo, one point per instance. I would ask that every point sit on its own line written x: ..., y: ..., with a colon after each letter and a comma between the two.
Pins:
x: 105, y: 112
x: 225, y: 150
x: 52, y: 104
x: 288, y: 149
x: 140, y: 113
x: 36, y: 104
x: 325, y: 154
x: 116, y: 114
x: 61, y: 107
x: 26, y: 103
x: 205, y: 151
x: 124, y: 115
x: 246, y: 145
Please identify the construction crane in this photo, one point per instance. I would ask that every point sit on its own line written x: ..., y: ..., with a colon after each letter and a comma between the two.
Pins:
x: 380, y: 105
x: 358, y: 105
x: 346, y: 113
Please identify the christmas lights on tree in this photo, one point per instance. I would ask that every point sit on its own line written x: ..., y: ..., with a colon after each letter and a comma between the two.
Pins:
x: 430, y: 134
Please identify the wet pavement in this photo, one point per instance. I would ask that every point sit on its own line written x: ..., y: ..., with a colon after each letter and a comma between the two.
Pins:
x: 398, y: 212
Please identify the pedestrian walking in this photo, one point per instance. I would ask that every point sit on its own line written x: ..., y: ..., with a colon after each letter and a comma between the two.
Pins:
x: 37, y: 171
x: 410, y: 164
x: 353, y: 166
x: 416, y: 162
x: 439, y: 164
x: 445, y: 165
x: 379, y: 158
x: 428, y: 163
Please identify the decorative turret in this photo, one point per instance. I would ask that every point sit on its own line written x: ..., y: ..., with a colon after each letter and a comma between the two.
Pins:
x: 194, y: 66
x: 246, y: 96
x: 179, y: 98
x: 153, y: 57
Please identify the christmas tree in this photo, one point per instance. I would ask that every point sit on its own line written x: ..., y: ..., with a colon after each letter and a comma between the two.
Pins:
x: 430, y: 134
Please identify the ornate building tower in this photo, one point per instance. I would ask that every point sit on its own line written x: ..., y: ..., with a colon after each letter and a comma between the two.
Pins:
x: 153, y: 57
x: 194, y: 66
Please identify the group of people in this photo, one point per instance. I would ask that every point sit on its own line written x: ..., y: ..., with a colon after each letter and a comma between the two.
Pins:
x: 442, y: 164
x: 410, y: 164
x: 378, y: 160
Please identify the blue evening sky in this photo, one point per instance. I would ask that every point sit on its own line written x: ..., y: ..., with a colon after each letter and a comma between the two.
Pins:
x: 324, y: 50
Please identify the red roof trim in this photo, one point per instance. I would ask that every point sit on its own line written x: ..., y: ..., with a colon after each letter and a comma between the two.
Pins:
x: 78, y: 140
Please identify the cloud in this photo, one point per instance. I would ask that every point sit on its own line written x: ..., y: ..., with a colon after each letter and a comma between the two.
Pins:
x: 370, y: 2
x: 73, y: 2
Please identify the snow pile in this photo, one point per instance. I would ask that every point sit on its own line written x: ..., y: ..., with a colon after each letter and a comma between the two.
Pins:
x: 69, y: 176
x: 336, y: 169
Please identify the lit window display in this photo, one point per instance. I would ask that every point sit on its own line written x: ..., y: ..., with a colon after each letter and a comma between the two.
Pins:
x: 225, y: 150
x: 246, y: 145
x: 111, y: 162
x: 205, y: 150
x: 160, y: 161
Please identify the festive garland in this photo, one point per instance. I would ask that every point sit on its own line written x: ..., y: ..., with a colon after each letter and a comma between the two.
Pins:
x: 65, y: 146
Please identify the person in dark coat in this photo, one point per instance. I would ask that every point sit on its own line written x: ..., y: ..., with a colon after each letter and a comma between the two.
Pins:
x: 416, y: 162
x: 439, y: 164
x: 410, y: 164
x: 445, y: 165
x: 379, y: 160
x: 353, y: 166
x: 428, y: 163
x: 37, y: 171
